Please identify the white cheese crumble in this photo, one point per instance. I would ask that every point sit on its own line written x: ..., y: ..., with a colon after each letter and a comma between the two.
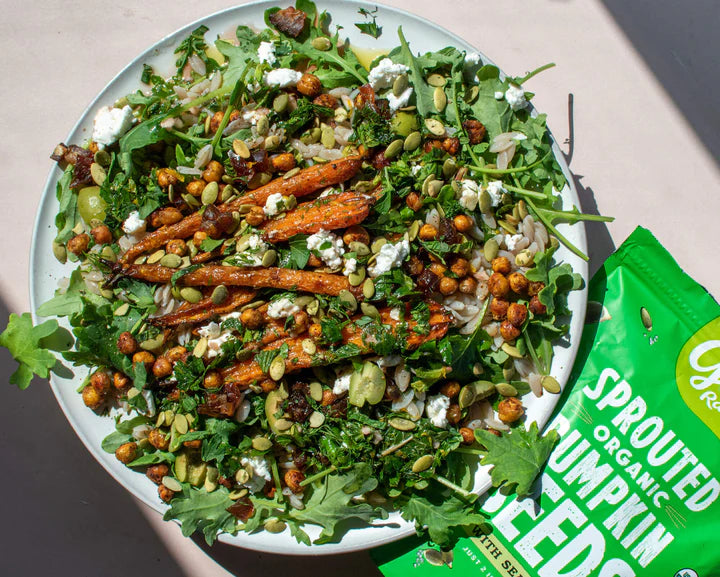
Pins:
x: 260, y: 473
x: 469, y: 194
x: 512, y: 240
x: 110, y: 124
x: 266, y: 53
x: 472, y: 59
x: 396, y: 314
x: 282, y: 308
x: 252, y: 116
x: 495, y: 190
x: 275, y: 204
x: 390, y: 256
x: 415, y: 168
x: 215, y: 338
x: 436, y: 410
x: 499, y: 95
x: 134, y: 226
x: 282, y: 77
x: 385, y: 73
x: 342, y: 382
x: 328, y: 246
x: 252, y: 255
x: 515, y: 96
x: 350, y: 266
x: 396, y: 102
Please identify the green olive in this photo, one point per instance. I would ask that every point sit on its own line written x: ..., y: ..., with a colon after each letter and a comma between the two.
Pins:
x: 403, y: 123
x: 90, y: 204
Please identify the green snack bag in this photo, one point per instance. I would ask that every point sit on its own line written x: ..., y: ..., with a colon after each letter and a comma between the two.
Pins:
x: 632, y: 487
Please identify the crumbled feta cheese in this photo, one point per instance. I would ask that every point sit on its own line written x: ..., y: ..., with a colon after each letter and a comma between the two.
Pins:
x: 396, y: 314
x: 215, y: 338
x: 415, y: 168
x: 469, y: 194
x: 342, y: 382
x: 472, y: 59
x: 512, y: 240
x: 515, y: 96
x: 328, y: 246
x: 436, y: 410
x: 282, y: 308
x: 282, y: 77
x: 110, y: 124
x: 499, y: 95
x: 266, y: 53
x: 390, y: 256
x: 396, y: 102
x: 260, y: 473
x: 350, y: 266
x: 519, y: 136
x: 252, y: 116
x: 495, y: 190
x: 385, y: 73
x: 274, y: 204
x: 134, y: 227
x: 252, y: 255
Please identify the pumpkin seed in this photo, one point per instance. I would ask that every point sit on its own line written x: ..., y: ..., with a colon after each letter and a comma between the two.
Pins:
x: 491, y: 249
x: 153, y: 344
x: 102, y: 157
x: 181, y: 467
x: 276, y: 525
x: 241, y: 148
x: 97, y: 173
x: 290, y: 173
x: 262, y: 126
x: 426, y: 183
x: 219, y: 294
x: 132, y: 393
x: 364, y: 186
x: 554, y: 243
x: 243, y: 243
x: 412, y: 141
x: 271, y: 143
x: 200, y: 348
x: 435, y: 126
x: 550, y: 384
x: 368, y: 288
x: 478, y: 369
x: 171, y: 260
x: 449, y: 168
x: 394, y: 149
x: 485, y: 201
x: 311, y: 136
x: 180, y: 424
x: 237, y: 494
x: 269, y: 258
x: 507, y: 226
x: 356, y: 278
x: 401, y: 424
x: 512, y: 219
x: 321, y: 43
x: 320, y: 160
x: 242, y: 476
x: 472, y: 95
x: 309, y: 347
x: 524, y: 258
x: 316, y: 391
x: 277, y: 368
x: 511, y: 350
x: 156, y: 256
x: 172, y: 484
x: 466, y: 396
x: 434, y: 188
x: 193, y: 251
x: 316, y: 419
x: 508, y: 370
x: 506, y: 390
x: 280, y: 103
x: 359, y: 248
x: 122, y: 310
x: 377, y: 244
x: 439, y: 99
x: 60, y: 252
x: 370, y: 310
x: 210, y: 193
x: 348, y: 300
x: 522, y: 209
x: 434, y: 557
x: 196, y: 474
x: 400, y: 85
x: 211, y: 478
x: 436, y: 80
x: 646, y: 318
x: 302, y: 301
x: 190, y: 294
x: 423, y: 464
x: 283, y: 424
x: 185, y: 262
x: 169, y: 418
x: 313, y: 307
x: 190, y: 200
x: 327, y: 137
x: 367, y: 385
x: 261, y: 443
x: 414, y: 230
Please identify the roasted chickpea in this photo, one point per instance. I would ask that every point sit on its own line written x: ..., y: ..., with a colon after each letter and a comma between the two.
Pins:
x: 165, y: 494
x: 126, y: 343
x: 256, y: 216
x: 499, y: 308
x: 328, y: 397
x: 213, y: 171
x: 302, y: 322
x: 101, y: 234
x: 314, y: 261
x: 468, y: 286
x: 535, y: 287
x: 283, y: 162
x: 413, y: 201
x: 252, y: 319
x: 327, y: 100
x: 126, y: 453
x: 501, y: 265
x: 437, y: 269
x: 268, y: 385
x: 162, y: 368
x: 217, y: 119
x: 315, y: 330
x: 460, y: 267
x: 309, y: 85
x: 194, y: 444
x: 78, y: 244
x: 145, y: 357
x: 414, y: 266
x: 92, y: 397
x: 176, y: 246
x: 212, y: 380
x: 517, y: 314
x: 120, y: 381
x: 450, y: 389
x: 463, y: 223
x: 101, y: 382
x: 176, y: 354
x: 509, y: 331
x: 199, y: 236
x: 158, y: 439
x: 165, y: 216
x: 510, y: 410
x: 468, y: 435
x: 448, y: 285
x: 156, y: 472
x: 451, y: 145
x: 518, y: 282
x: 356, y: 234
x: 293, y: 478
x: 428, y: 232
x: 536, y: 307
x: 498, y: 285
x: 475, y: 130
x: 454, y: 414
x: 167, y: 177
x: 196, y: 187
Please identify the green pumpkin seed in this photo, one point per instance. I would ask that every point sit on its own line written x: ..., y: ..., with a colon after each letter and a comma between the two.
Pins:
x: 211, y: 478
x: 511, y: 351
x: 242, y: 476
x: 364, y: 186
x: 401, y: 424
x: 434, y: 557
x: 478, y: 369
x: 283, y: 424
x: 171, y: 260
x: 103, y: 158
x: 219, y: 295
x: 200, y: 348
x: 172, y: 484
x: 290, y: 173
x: 193, y: 251
x: 321, y: 43
x: 311, y: 136
x: 108, y: 254
x: 122, y: 310
x: 524, y: 258
x: 377, y: 244
x: 491, y: 249
x: 508, y: 370
x: 154, y: 344
x: 449, y: 168
x: 191, y: 201
x: 241, y: 148
x: 276, y: 525
x: 313, y: 307
x: 368, y: 288
x: 180, y: 424
x: 485, y: 202
x: 327, y: 137
x: 169, y: 418
x: 181, y: 467
x: 550, y: 384
x: 280, y: 103
x: 262, y: 126
x: 436, y: 80
x: 97, y: 173
x: 348, y: 300
x: 356, y: 278
x: 271, y: 143
x: 400, y: 85
x: 156, y: 256
x: 394, y: 148
x: 261, y: 443
x: 423, y: 464
x: 185, y: 262
x: 359, y: 248
x: 277, y: 368
x: 160, y: 420
x: 507, y: 226
x: 316, y: 419
x: 369, y: 310
x: 472, y: 94
x: 210, y: 193
x: 434, y: 187
x: 412, y: 141
x: 190, y: 294
x: 506, y: 390
x: 60, y: 252
x: 320, y: 160
x: 646, y: 318
x: 439, y: 99
x: 367, y: 385
x: 237, y: 494
x: 316, y: 389
x: 414, y: 230
x: 435, y: 126
x: 522, y: 209
x: 309, y: 347
x: 269, y: 258
x: 466, y: 396
x: 426, y: 183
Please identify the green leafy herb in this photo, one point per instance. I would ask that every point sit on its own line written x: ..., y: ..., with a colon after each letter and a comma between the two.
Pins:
x: 369, y: 28
x: 199, y: 510
x: 305, y: 112
x: 194, y: 44
x: 24, y: 341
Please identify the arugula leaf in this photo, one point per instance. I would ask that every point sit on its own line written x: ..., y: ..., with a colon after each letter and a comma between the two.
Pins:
x: 67, y: 215
x: 153, y: 459
x: 423, y: 91
x: 111, y: 443
x: 209, y: 244
x: 495, y: 114
x: 194, y: 44
x: 369, y: 28
x: 517, y: 456
x: 24, y: 341
x: 199, y: 510
x: 71, y: 301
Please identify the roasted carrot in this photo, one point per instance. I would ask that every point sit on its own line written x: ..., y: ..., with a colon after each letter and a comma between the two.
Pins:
x: 245, y: 372
x: 205, y: 309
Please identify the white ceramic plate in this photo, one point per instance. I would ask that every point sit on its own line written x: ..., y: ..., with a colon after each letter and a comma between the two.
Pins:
x: 46, y: 271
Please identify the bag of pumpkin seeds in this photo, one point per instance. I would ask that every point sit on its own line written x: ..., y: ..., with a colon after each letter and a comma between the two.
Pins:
x: 632, y: 487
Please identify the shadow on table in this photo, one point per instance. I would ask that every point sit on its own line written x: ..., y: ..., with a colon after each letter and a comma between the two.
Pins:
x: 62, y: 513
